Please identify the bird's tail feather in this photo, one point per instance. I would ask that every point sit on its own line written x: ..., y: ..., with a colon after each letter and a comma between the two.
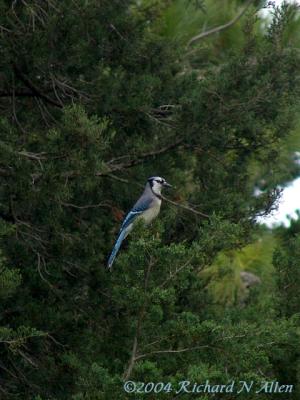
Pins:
x: 116, y: 248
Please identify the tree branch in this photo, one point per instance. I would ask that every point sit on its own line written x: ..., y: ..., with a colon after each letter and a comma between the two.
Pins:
x: 142, y: 158
x: 34, y: 89
x: 133, y: 354
x: 170, y: 351
x: 201, y: 214
x: 133, y: 357
x: 172, y: 275
x: 71, y: 205
x: 221, y: 27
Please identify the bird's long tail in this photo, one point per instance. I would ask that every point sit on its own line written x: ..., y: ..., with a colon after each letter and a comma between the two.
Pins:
x: 116, y: 248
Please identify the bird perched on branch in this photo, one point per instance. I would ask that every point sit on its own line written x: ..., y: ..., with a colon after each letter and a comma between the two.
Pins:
x: 147, y: 207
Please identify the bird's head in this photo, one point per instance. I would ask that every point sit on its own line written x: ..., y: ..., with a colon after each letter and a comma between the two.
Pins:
x: 157, y: 183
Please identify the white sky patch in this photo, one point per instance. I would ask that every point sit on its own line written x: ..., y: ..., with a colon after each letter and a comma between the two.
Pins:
x: 278, y: 2
x: 290, y: 199
x: 265, y: 12
x: 288, y: 204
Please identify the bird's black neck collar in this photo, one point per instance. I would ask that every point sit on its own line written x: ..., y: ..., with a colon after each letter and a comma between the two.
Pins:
x: 159, y: 196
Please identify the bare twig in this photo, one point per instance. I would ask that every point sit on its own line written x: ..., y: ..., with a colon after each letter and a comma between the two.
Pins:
x: 192, y: 210
x: 133, y: 357
x: 55, y: 91
x: 14, y: 107
x: 221, y: 27
x: 172, y: 275
x: 102, y: 204
x: 27, y: 358
x: 8, y: 371
x: 133, y: 354
x: 170, y: 351
x: 39, y: 102
x: 21, y: 339
x: 55, y: 340
x: 33, y: 156
x: 141, y: 159
x: 3, y: 28
x: 42, y: 106
x: 123, y: 180
x: 39, y: 258
x: 34, y: 89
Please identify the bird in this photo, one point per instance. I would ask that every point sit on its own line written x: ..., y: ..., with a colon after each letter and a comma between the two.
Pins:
x: 147, y: 208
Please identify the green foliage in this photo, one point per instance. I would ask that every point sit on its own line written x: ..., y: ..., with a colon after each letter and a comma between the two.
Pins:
x: 10, y: 279
x: 286, y: 262
x: 224, y: 279
x: 96, y: 97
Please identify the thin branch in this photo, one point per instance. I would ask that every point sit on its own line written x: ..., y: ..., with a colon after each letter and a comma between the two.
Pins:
x: 118, y: 167
x: 170, y: 351
x: 34, y: 89
x: 8, y: 371
x: 42, y: 106
x: 233, y: 337
x: 221, y: 27
x: 14, y: 106
x: 141, y: 159
x: 172, y: 275
x: 55, y: 340
x: 3, y: 28
x: 192, y: 210
x: 55, y: 91
x: 156, y: 341
x: 22, y: 338
x: 22, y: 376
x: 133, y: 357
x: 123, y: 180
x: 135, y: 345
x: 33, y: 156
x: 27, y: 358
x: 147, y: 273
x: 40, y: 272
x: 40, y: 103
x: 102, y: 204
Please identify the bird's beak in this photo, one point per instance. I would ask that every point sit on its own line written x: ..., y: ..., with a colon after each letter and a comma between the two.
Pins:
x: 166, y: 184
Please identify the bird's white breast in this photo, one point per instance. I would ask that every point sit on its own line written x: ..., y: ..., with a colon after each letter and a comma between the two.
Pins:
x: 152, y: 212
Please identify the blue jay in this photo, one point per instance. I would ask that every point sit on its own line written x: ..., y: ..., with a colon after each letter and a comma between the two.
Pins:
x: 147, y: 207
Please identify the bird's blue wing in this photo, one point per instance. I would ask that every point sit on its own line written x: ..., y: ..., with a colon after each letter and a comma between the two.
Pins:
x: 141, y: 206
x: 137, y: 210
